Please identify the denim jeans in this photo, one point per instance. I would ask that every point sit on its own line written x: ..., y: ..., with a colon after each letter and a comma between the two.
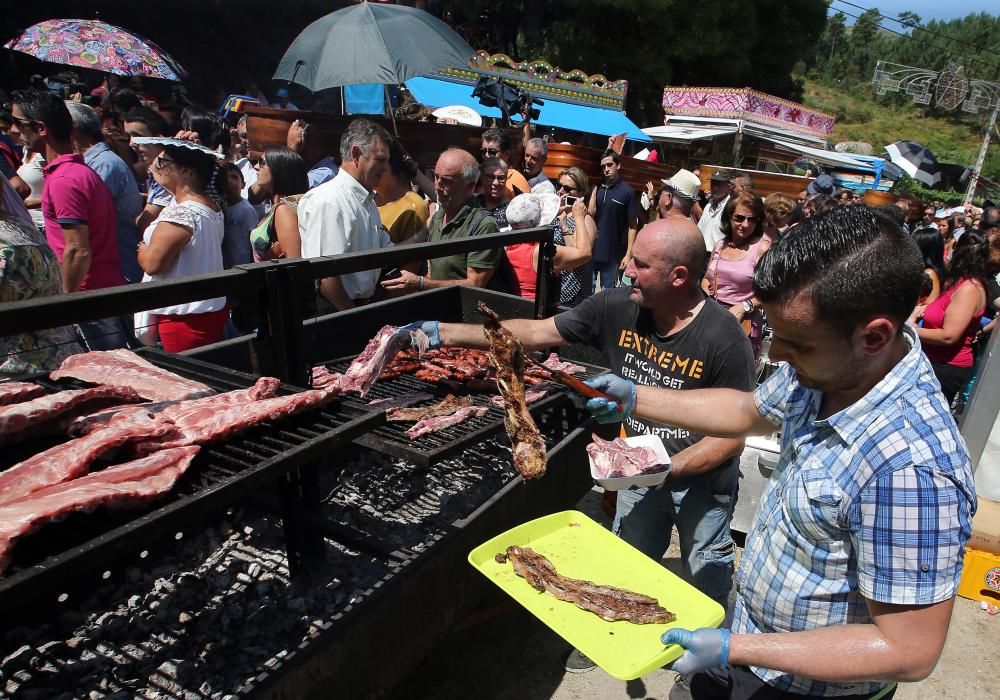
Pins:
x: 605, y: 275
x: 701, y: 508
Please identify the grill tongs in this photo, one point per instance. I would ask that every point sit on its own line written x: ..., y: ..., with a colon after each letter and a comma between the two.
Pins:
x: 569, y: 381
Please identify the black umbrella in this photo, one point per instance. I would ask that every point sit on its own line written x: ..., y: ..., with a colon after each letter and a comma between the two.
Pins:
x: 371, y: 43
x: 916, y: 161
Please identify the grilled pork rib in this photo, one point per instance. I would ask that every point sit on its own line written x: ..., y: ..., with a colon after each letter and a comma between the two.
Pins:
x: 607, y: 602
x: 507, y: 358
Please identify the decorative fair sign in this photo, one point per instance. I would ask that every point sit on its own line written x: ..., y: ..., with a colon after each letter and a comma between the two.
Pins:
x: 748, y: 104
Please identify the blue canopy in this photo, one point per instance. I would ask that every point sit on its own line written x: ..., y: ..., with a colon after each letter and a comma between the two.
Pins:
x: 564, y: 115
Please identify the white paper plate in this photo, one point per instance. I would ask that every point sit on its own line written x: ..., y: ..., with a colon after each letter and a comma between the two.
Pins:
x: 625, y: 482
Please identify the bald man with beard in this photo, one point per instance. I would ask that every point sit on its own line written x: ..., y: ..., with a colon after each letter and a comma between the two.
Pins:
x: 660, y: 331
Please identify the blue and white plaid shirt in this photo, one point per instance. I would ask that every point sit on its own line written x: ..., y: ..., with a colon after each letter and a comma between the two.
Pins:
x: 874, y: 502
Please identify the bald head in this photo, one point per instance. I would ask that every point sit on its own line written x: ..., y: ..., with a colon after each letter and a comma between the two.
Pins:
x: 677, y: 242
x: 462, y: 162
x: 455, y: 176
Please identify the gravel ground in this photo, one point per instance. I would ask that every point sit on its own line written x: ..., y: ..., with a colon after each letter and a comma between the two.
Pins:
x: 507, y: 654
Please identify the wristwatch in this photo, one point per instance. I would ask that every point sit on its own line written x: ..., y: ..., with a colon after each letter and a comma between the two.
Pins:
x: 748, y: 307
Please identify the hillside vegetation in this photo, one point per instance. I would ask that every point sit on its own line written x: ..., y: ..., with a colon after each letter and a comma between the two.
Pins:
x: 864, y: 119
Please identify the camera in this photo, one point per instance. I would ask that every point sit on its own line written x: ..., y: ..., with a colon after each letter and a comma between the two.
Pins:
x: 509, y: 99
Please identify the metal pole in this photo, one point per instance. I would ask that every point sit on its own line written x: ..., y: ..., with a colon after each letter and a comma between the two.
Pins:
x: 974, y: 177
x: 738, y: 144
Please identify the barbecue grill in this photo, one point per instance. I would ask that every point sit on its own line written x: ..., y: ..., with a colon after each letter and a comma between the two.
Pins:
x: 397, y: 529
x: 58, y: 553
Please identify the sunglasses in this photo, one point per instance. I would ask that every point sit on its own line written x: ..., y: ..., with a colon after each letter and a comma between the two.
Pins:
x: 739, y: 219
x: 490, y: 152
x: 23, y: 123
x: 496, y: 177
x: 565, y: 188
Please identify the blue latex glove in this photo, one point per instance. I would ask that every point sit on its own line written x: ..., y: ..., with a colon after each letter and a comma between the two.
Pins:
x: 431, y: 328
x: 621, y: 390
x: 706, y: 648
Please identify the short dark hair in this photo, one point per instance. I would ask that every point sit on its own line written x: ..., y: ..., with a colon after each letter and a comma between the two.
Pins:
x: 124, y: 100
x: 150, y: 117
x: 206, y: 125
x: 289, y: 174
x: 497, y: 136
x: 854, y: 263
x: 612, y: 154
x: 48, y: 108
x: 894, y: 213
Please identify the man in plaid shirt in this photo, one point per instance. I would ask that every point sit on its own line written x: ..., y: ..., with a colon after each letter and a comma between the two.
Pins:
x: 849, y: 573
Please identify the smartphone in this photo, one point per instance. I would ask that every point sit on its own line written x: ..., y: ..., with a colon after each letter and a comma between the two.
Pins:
x: 392, y: 274
x: 571, y: 200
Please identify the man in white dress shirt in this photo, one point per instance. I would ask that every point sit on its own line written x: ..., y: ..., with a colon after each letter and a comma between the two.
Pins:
x: 340, y: 216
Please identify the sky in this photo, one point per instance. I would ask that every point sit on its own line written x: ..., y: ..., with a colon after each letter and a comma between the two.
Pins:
x: 927, y: 9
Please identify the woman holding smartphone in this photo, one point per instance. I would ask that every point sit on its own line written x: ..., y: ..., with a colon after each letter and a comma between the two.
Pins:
x: 578, y: 231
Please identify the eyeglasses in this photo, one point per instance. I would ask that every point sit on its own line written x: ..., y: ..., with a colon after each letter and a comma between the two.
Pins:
x: 739, y: 219
x: 490, y: 152
x: 160, y: 163
x: 495, y: 177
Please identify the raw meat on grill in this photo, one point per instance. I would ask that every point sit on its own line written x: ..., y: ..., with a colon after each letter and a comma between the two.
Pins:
x: 125, y: 368
x: 367, y: 366
x: 203, y: 424
x: 435, y: 423
x: 74, y: 457
x: 401, y: 401
x: 554, y: 363
x: 614, y: 459
x: 19, y: 420
x: 444, y: 407
x: 263, y: 388
x: 16, y: 392
x: 607, y: 602
x: 323, y: 378
x: 123, y: 486
x: 507, y: 358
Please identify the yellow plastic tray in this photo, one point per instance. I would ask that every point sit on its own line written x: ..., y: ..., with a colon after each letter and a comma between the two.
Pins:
x: 580, y: 548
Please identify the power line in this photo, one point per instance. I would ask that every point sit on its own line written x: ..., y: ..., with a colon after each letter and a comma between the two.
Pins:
x: 992, y: 66
x: 915, y: 25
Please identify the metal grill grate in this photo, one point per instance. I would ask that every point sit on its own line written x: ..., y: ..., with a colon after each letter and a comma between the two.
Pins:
x: 219, y: 474
x: 429, y: 449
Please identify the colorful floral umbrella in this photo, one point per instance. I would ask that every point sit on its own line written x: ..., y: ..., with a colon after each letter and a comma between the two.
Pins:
x: 97, y: 45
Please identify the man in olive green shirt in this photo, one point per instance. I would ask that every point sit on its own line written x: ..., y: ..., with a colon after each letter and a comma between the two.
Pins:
x: 458, y: 215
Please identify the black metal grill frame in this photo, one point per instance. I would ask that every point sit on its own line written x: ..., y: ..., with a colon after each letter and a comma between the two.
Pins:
x: 221, y: 474
x: 390, y: 438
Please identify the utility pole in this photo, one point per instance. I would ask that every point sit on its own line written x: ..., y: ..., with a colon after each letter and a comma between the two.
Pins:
x: 974, y: 177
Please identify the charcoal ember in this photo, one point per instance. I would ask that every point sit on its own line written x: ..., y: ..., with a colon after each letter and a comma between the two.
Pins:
x: 18, y: 660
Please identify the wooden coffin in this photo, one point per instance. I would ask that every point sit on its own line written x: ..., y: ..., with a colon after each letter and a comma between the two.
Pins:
x: 634, y: 172
x: 424, y: 141
x: 764, y: 183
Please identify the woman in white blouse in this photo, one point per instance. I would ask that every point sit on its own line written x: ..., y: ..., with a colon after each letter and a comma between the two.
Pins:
x: 186, y: 239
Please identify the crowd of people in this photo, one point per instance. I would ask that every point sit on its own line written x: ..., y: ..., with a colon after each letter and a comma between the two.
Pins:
x: 874, y: 311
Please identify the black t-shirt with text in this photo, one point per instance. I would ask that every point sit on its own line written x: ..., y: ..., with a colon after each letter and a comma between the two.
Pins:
x: 709, y: 352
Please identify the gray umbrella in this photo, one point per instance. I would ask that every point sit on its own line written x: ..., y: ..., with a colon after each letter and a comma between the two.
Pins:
x: 371, y: 43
